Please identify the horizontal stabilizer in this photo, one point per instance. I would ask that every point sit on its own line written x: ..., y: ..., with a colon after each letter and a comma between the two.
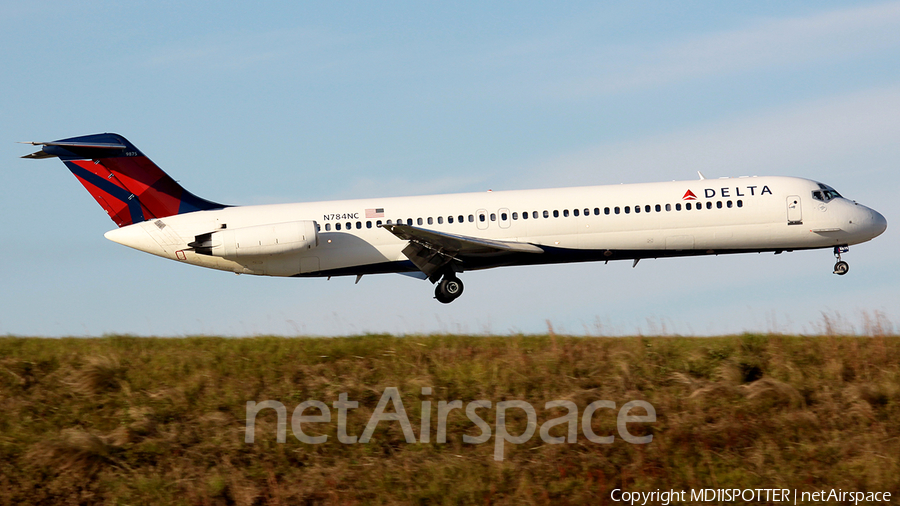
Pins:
x: 70, y: 148
x: 37, y: 155
x: 98, y: 145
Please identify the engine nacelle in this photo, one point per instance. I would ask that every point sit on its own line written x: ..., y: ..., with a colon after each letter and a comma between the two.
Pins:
x: 261, y: 240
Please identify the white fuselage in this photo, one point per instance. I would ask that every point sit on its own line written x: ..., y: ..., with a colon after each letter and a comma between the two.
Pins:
x: 727, y: 215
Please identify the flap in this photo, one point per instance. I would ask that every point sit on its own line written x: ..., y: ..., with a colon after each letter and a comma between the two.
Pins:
x: 431, y: 251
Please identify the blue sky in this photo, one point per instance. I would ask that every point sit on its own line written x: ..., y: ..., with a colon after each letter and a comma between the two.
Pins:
x: 287, y: 102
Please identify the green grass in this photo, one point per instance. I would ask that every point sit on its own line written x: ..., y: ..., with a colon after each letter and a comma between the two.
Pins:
x: 123, y: 420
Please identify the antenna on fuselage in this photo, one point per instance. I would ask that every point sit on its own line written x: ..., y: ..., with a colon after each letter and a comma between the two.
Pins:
x: 701, y: 175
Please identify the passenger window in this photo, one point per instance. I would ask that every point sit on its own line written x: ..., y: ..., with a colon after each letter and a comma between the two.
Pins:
x: 503, y: 216
x: 449, y: 219
x: 719, y: 204
x: 740, y: 203
x: 617, y: 210
x: 575, y: 212
x: 368, y: 224
x: 482, y: 218
x: 647, y: 208
x: 565, y: 213
x: 534, y: 214
x: 378, y: 223
x: 471, y: 218
x: 637, y: 209
x: 555, y: 213
x: 597, y: 211
x: 587, y: 212
x: 728, y: 204
x: 349, y: 226
x: 358, y: 225
x: 440, y: 220
x: 328, y: 227
x: 658, y: 208
x: 605, y: 210
x: 678, y: 206
x: 546, y: 213
x: 627, y: 210
x: 709, y: 205
x: 409, y: 221
x: 388, y: 222
x: 337, y: 226
x: 524, y: 215
x: 668, y: 207
x: 493, y: 217
x: 318, y: 227
x: 687, y: 206
x: 515, y: 216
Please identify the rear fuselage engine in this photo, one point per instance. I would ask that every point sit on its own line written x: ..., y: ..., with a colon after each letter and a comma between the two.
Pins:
x: 259, y: 240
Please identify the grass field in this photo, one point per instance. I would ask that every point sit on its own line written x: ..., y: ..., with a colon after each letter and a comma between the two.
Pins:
x: 123, y: 420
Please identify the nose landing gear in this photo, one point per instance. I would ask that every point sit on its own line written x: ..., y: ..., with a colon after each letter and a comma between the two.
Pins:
x: 448, y: 289
x: 841, y: 267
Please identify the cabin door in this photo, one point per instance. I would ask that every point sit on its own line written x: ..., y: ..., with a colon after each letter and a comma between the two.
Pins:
x: 794, y: 214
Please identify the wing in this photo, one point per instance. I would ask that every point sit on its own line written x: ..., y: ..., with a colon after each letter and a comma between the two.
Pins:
x: 430, y: 251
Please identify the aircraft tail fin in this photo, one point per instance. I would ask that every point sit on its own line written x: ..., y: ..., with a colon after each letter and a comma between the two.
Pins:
x: 127, y: 184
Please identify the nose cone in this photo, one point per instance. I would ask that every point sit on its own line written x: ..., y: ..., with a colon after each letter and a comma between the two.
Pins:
x: 878, y: 223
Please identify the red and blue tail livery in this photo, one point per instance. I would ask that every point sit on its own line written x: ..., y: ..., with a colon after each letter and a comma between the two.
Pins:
x: 438, y: 237
x: 127, y: 184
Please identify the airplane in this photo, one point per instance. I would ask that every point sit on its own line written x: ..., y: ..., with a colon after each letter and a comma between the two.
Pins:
x: 437, y: 237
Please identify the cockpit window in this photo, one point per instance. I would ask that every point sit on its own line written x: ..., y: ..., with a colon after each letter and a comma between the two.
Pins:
x: 825, y: 193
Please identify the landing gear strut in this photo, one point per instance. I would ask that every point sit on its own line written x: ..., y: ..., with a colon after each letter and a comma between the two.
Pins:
x: 841, y: 267
x: 448, y: 289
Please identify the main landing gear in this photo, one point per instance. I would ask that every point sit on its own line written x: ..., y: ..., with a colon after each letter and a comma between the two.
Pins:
x: 841, y: 267
x: 448, y: 289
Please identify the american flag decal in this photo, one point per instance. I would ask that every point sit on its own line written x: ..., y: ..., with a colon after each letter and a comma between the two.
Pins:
x: 375, y: 213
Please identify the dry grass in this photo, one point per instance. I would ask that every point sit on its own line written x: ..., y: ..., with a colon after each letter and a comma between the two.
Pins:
x: 122, y: 420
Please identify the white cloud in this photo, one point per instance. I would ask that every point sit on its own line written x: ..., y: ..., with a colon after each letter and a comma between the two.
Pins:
x: 832, y: 35
x: 811, y: 138
x: 241, y: 51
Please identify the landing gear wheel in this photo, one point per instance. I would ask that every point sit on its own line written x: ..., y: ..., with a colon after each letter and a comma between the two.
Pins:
x: 841, y: 268
x: 439, y: 295
x: 448, y: 289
